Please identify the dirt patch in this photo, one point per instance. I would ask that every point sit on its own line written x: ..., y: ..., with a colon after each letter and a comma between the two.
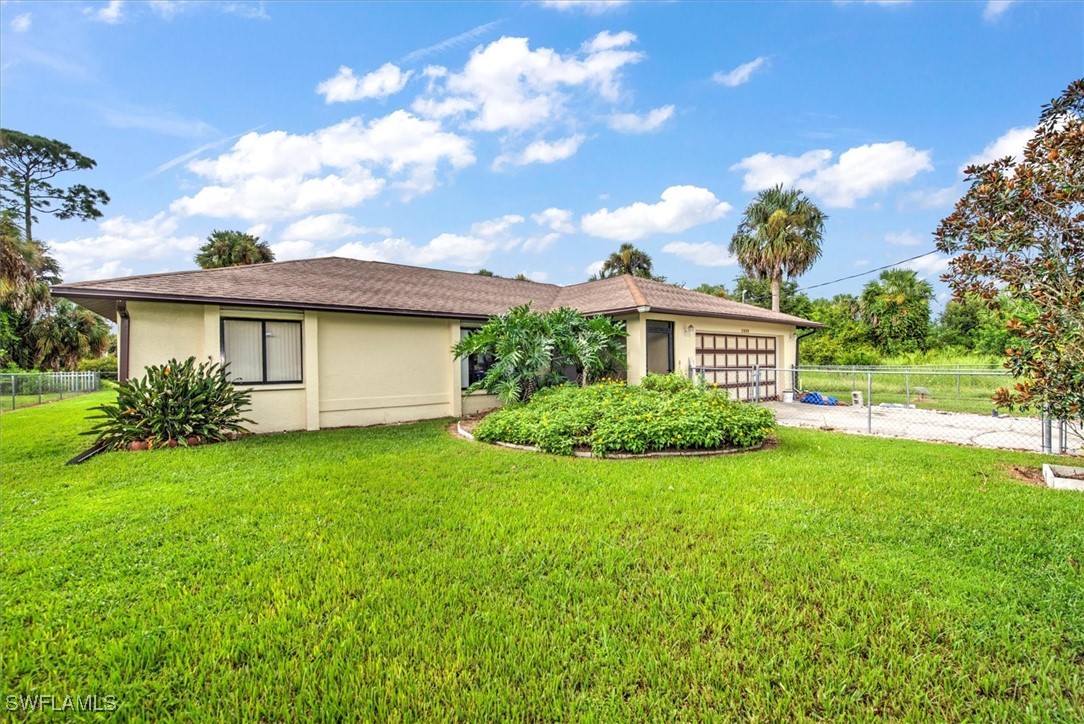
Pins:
x: 1028, y: 475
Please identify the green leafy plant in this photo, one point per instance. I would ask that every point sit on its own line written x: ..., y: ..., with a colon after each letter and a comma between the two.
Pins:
x: 173, y: 402
x: 615, y: 418
x: 533, y: 350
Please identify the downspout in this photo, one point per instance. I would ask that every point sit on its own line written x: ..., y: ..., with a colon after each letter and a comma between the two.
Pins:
x: 123, y: 343
x: 798, y: 354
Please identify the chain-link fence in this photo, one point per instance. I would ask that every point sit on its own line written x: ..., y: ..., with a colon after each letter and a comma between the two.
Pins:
x: 33, y: 388
x: 935, y: 403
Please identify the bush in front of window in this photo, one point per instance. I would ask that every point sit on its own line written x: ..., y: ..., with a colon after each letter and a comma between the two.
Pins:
x: 178, y: 403
x: 614, y: 418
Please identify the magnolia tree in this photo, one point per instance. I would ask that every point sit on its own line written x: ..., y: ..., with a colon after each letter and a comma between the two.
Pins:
x: 1019, y: 230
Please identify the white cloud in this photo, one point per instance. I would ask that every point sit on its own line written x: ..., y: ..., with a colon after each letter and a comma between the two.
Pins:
x: 112, y: 13
x: 633, y: 123
x: 764, y: 170
x: 250, y: 10
x: 495, y: 227
x: 703, y: 254
x: 344, y: 86
x: 861, y: 262
x: 594, y: 267
x: 904, y: 238
x: 681, y: 208
x: 541, y: 152
x: 995, y: 8
x: 559, y: 220
x: 739, y: 75
x: 300, y: 249
x: 21, y: 23
x: 858, y: 172
x: 536, y: 244
x: 591, y: 7
x: 327, y: 227
x: 121, y: 240
x: 450, y: 249
x: 608, y: 41
x: 506, y: 86
x: 148, y: 119
x: 927, y: 266
x: 537, y: 276
x: 1010, y: 143
x: 935, y: 198
x: 275, y: 175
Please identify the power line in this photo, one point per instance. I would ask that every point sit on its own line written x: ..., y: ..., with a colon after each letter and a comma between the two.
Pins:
x: 868, y: 271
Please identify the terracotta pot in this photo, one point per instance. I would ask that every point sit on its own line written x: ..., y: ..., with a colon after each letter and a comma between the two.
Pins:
x: 171, y: 443
x: 193, y: 440
x: 137, y: 445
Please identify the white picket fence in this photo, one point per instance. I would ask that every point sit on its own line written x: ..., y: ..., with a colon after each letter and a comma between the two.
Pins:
x: 21, y: 389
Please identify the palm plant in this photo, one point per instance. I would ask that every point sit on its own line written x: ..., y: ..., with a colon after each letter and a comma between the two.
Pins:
x: 780, y: 235
x: 233, y: 248
x: 897, y: 308
x: 68, y: 335
x: 627, y: 260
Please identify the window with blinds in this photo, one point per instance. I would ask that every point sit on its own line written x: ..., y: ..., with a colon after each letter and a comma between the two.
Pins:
x: 262, y: 351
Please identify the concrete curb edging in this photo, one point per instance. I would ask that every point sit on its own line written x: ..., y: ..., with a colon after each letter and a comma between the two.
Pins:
x: 1052, y: 474
x: 620, y: 456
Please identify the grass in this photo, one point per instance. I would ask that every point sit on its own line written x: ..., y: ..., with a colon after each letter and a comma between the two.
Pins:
x: 966, y: 393
x: 399, y: 573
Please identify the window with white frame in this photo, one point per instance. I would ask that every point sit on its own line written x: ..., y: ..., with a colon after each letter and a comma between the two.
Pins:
x: 262, y: 351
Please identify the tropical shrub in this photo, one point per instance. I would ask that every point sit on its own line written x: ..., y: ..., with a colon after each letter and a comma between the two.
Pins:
x: 615, y: 418
x: 673, y: 382
x: 106, y: 366
x: 533, y: 350
x: 173, y: 402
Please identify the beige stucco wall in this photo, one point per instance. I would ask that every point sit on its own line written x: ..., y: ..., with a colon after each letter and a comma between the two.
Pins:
x: 685, y: 331
x: 380, y: 369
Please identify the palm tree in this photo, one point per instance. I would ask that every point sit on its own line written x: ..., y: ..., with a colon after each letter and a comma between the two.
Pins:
x: 627, y: 260
x: 897, y: 308
x: 68, y: 335
x: 779, y: 235
x: 25, y: 270
x: 233, y: 248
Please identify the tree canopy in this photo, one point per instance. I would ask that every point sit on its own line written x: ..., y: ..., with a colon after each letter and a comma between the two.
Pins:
x: 233, y: 248
x: 1019, y: 230
x: 779, y: 235
x: 28, y: 164
x: 628, y: 260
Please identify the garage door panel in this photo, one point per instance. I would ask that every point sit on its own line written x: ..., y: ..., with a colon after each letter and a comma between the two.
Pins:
x: 728, y: 361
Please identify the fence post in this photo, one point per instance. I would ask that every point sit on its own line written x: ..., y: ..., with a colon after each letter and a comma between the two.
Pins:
x: 756, y: 383
x: 869, y: 402
x: 1063, y: 437
x: 1047, y: 433
x: 39, y: 389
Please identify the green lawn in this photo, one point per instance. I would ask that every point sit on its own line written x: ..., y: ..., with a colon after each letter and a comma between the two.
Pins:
x: 397, y: 573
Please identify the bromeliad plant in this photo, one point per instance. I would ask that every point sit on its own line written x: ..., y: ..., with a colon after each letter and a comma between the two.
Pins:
x: 173, y: 402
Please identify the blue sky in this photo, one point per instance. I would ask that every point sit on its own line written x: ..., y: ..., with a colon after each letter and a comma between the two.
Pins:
x: 525, y: 137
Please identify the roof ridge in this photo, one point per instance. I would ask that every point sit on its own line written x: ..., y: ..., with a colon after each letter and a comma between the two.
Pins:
x: 635, y: 291
x: 188, y: 271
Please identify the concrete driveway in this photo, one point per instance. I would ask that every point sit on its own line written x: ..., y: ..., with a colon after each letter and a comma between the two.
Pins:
x: 1007, y: 433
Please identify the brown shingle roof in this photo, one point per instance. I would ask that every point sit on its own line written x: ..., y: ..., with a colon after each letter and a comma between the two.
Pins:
x: 371, y: 286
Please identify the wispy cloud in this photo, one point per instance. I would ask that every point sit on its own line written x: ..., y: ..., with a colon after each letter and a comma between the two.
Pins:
x: 147, y: 119
x: 186, y: 157
x: 21, y: 23
x: 741, y: 74
x: 449, y: 43
x: 995, y: 9
x: 111, y: 14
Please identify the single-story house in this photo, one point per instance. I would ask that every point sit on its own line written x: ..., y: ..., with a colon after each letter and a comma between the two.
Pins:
x: 335, y: 342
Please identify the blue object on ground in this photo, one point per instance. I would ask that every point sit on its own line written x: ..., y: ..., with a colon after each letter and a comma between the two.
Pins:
x: 816, y: 398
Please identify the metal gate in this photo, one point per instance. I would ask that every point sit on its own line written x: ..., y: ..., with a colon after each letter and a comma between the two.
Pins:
x: 734, y: 361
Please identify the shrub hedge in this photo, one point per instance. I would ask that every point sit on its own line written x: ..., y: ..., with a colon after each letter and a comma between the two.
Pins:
x: 666, y: 412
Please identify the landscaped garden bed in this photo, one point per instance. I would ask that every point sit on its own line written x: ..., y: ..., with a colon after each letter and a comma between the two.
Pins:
x: 665, y: 413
